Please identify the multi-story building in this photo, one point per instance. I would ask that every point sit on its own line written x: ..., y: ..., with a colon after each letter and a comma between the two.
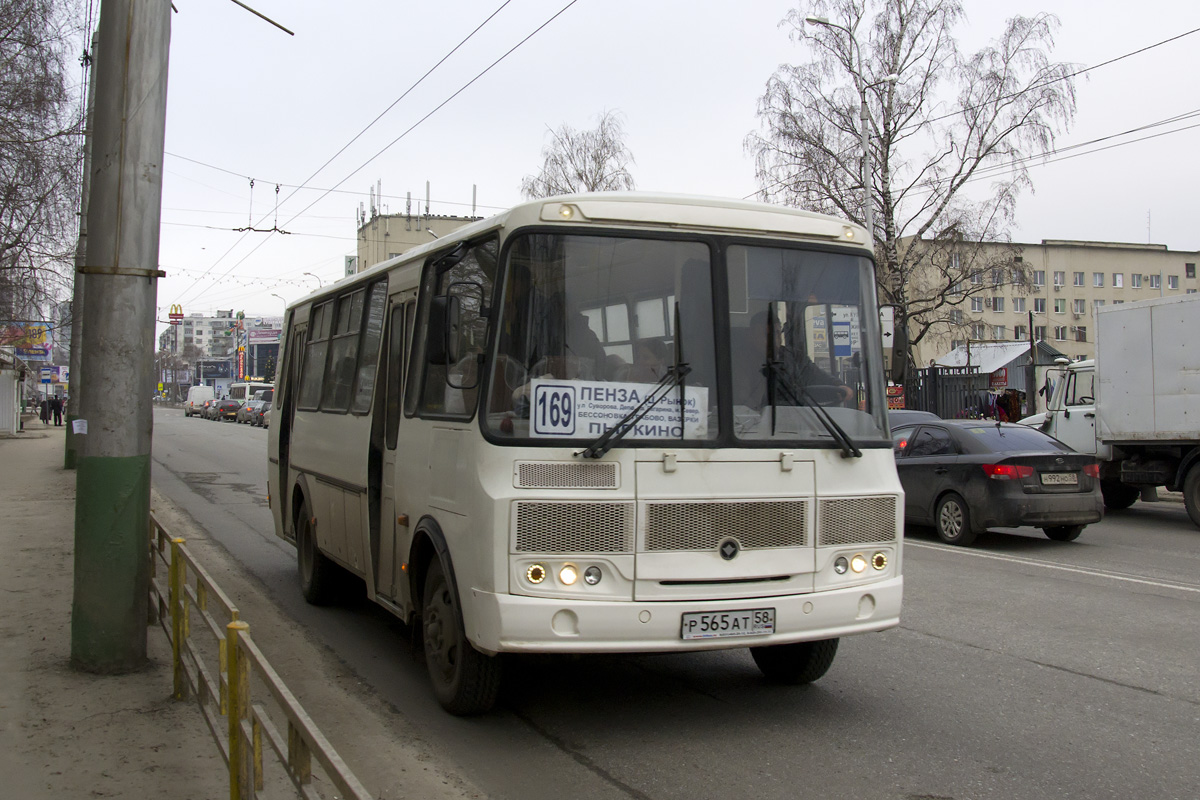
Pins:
x: 1068, y: 281
x: 384, y: 236
x: 210, y: 334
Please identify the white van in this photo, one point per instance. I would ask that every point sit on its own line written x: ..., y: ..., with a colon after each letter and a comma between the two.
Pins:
x: 195, y: 399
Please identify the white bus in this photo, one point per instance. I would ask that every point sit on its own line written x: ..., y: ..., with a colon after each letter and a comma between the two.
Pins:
x: 599, y: 423
x: 245, y: 391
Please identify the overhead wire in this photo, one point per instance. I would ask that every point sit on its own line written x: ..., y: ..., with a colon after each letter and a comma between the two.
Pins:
x: 352, y: 141
x: 412, y: 127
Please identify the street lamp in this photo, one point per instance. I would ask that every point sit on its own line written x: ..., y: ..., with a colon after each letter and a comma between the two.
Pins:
x: 309, y: 274
x: 864, y: 120
x: 281, y: 297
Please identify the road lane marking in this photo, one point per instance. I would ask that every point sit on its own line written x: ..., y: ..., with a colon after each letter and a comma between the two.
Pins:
x: 1116, y: 576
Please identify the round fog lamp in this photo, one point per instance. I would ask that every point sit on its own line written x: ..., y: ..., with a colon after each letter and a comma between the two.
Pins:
x: 568, y: 574
x: 858, y: 563
x: 841, y: 565
x: 591, y: 576
x: 536, y: 573
x: 879, y: 560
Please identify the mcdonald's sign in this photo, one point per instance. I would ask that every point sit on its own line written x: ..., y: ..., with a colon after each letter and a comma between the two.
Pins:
x: 176, y: 315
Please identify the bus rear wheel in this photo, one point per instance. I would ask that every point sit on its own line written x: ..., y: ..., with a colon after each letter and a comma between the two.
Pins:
x: 318, y: 575
x: 464, y: 680
x: 803, y: 662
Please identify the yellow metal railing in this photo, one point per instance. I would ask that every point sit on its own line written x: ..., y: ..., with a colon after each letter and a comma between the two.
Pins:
x: 226, y: 692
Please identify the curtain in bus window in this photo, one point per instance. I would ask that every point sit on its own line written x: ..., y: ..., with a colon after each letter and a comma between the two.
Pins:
x: 368, y: 358
x: 313, y: 371
x: 343, y: 352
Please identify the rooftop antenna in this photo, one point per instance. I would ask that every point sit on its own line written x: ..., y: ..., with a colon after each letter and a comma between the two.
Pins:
x: 474, y: 194
x: 427, y: 198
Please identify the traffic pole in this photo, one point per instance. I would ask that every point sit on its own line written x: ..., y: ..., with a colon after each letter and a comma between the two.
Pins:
x: 75, y: 378
x: 112, y: 507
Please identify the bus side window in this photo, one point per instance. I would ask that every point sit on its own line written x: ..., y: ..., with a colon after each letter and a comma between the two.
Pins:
x: 394, y: 361
x: 368, y: 354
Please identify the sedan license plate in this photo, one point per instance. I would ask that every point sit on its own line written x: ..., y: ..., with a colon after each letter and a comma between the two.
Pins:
x: 719, y: 624
x: 1060, y: 479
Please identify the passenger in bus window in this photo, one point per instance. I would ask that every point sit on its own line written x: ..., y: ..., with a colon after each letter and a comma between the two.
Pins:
x: 649, y: 361
x: 750, y: 368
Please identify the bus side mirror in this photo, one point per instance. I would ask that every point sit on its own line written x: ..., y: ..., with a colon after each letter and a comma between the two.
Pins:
x: 445, y: 319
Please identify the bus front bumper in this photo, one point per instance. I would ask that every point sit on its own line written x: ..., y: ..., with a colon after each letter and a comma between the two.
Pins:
x: 518, y: 624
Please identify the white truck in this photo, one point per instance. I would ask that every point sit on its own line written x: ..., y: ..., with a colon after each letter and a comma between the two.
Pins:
x: 1137, y: 404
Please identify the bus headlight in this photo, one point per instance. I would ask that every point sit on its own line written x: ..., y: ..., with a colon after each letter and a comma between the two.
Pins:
x: 841, y: 565
x: 858, y: 563
x: 879, y: 561
x: 536, y: 573
x: 591, y: 576
x: 568, y: 574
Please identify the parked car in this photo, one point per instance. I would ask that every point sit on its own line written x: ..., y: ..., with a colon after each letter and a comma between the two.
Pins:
x: 225, y: 410
x: 965, y: 476
x: 247, y: 411
x: 906, y: 416
x: 266, y: 418
x: 266, y: 396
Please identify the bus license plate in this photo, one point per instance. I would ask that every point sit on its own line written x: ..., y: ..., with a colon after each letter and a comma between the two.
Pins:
x: 750, y: 622
x: 1060, y: 479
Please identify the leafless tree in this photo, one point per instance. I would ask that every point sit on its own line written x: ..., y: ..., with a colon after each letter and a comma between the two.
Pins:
x: 595, y: 160
x: 40, y: 153
x: 950, y: 139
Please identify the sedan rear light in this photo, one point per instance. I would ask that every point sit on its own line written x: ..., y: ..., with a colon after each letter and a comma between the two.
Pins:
x: 1092, y: 470
x: 1007, y: 472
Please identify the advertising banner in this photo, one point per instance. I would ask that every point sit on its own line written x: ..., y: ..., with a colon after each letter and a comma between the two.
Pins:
x: 33, y: 341
x: 269, y: 336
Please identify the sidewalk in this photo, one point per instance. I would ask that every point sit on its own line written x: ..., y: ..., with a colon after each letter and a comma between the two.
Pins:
x: 66, y: 734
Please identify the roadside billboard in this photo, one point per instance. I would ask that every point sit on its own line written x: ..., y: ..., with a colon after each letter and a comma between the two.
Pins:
x: 33, y: 341
x: 260, y: 336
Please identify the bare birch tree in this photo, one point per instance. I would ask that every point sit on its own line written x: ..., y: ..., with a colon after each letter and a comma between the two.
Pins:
x: 40, y: 153
x: 595, y: 160
x: 951, y: 140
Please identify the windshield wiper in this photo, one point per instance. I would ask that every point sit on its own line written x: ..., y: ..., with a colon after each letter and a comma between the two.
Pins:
x: 605, y: 441
x: 795, y: 393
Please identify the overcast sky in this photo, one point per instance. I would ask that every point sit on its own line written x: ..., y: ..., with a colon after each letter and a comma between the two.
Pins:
x: 247, y: 101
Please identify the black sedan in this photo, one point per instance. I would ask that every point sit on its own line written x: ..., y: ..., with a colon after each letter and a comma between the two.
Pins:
x: 965, y: 476
x: 225, y: 410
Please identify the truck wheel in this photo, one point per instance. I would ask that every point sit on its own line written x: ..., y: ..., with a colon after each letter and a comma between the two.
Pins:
x: 465, y: 681
x: 318, y: 575
x: 803, y: 662
x: 953, y: 521
x: 1063, y: 533
x: 1191, y: 494
x: 1117, y: 495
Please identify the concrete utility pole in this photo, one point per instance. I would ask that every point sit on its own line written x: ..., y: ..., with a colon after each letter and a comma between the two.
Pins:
x: 75, y: 379
x: 112, y: 507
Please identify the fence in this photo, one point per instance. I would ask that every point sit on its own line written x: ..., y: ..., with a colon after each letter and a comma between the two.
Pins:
x: 948, y: 392
x: 225, y: 691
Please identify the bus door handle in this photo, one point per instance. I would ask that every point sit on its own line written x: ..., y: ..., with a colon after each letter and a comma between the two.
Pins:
x: 941, y: 471
x: 1090, y: 415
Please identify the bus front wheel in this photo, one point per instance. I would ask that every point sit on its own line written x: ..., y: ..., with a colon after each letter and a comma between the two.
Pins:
x: 803, y: 662
x: 318, y: 575
x: 464, y: 680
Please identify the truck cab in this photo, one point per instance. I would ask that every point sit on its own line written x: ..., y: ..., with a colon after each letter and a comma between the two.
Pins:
x: 1071, y: 413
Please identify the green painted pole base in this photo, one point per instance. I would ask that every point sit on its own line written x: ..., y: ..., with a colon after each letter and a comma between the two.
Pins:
x: 70, y: 456
x: 112, y: 564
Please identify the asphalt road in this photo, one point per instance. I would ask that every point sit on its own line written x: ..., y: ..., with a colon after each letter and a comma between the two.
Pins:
x: 1023, y: 668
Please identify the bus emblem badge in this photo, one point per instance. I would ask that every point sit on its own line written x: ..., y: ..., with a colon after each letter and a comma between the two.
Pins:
x: 728, y: 549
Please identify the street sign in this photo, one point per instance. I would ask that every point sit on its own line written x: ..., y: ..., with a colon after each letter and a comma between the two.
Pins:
x: 49, y: 374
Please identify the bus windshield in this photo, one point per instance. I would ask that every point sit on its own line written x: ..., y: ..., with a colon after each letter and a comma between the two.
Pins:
x: 589, y: 325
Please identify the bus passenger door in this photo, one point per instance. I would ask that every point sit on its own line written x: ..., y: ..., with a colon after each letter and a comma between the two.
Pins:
x: 394, y: 531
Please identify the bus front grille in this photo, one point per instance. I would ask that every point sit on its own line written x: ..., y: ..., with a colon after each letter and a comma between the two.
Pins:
x: 573, y: 527
x: 856, y: 520
x: 565, y: 475
x: 704, y: 525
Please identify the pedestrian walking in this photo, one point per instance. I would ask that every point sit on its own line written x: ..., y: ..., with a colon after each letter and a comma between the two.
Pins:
x: 45, y: 411
x: 56, y: 406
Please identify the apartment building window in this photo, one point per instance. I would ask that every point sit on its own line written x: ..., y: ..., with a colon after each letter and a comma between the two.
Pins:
x: 1172, y: 281
x: 1039, y: 305
x: 997, y: 304
x: 956, y: 288
x: 1081, y: 334
x: 955, y: 261
x: 1096, y: 304
x: 998, y: 331
x: 1077, y: 279
x: 956, y: 343
x: 976, y: 278
x: 1156, y: 281
x: 1060, y: 277
x: 1039, y: 332
x: 1118, y: 302
x: 1118, y: 280
x: 1191, y: 291
x: 977, y: 304
x: 1019, y: 305
x: 1020, y: 332
x: 1078, y: 306
x: 978, y: 330
x: 1060, y: 333
x: 1189, y: 270
x: 1060, y: 306
x: 1039, y: 277
x: 1135, y: 281
x: 956, y: 316
x: 1098, y: 279
x: 997, y: 277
